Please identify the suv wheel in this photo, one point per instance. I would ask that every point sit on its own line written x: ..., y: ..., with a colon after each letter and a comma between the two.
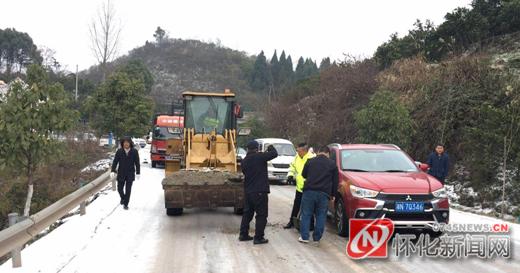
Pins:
x: 340, y: 218
x: 154, y: 164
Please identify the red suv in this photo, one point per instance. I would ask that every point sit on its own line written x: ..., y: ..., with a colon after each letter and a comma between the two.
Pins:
x: 381, y: 181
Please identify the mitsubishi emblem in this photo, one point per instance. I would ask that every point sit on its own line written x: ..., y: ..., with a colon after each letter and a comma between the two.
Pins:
x: 408, y: 198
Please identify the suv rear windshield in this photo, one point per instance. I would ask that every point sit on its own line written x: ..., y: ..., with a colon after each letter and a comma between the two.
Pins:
x: 282, y: 148
x: 376, y: 161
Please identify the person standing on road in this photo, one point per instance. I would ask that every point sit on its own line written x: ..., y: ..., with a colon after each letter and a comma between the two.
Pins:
x: 127, y: 157
x: 256, y: 189
x: 439, y: 163
x: 321, y: 185
x: 295, y: 176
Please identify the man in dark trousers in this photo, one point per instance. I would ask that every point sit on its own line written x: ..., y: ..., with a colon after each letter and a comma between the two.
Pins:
x: 127, y: 158
x: 256, y: 189
x: 321, y: 185
x: 295, y: 176
x: 439, y: 163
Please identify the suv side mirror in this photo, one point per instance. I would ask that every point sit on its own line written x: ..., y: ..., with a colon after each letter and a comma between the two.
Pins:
x: 422, y: 166
x: 244, y: 131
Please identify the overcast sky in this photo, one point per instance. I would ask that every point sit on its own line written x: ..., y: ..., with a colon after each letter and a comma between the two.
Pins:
x: 313, y: 29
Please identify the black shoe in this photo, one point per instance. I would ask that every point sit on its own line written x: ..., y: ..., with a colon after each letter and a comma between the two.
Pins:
x: 289, y: 225
x: 260, y: 241
x: 122, y: 202
x: 245, y: 238
x: 126, y: 207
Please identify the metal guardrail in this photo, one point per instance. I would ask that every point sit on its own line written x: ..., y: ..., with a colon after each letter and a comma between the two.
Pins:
x: 22, y: 232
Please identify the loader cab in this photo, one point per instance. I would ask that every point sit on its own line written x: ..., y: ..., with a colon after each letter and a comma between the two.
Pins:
x: 207, y: 112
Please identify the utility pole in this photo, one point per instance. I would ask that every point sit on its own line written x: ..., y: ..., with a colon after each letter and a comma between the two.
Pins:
x: 76, y: 83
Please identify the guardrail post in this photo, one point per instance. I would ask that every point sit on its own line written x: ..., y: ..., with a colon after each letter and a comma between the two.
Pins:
x: 83, y: 208
x: 16, y: 255
x: 114, y: 186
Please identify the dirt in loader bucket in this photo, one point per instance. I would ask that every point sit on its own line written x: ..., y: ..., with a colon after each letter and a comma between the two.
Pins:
x: 199, y: 177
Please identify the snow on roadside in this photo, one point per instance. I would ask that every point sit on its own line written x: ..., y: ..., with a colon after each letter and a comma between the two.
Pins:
x: 100, y: 165
x: 100, y: 240
x: 454, y: 197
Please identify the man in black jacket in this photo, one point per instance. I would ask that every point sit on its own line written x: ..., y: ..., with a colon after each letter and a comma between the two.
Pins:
x: 128, y: 160
x: 321, y: 184
x: 256, y: 188
x: 439, y: 163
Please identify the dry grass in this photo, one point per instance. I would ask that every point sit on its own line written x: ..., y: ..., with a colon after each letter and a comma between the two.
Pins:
x: 59, y: 176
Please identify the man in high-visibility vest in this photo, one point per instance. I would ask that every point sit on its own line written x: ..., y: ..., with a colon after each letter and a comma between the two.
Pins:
x: 295, y: 176
x: 208, y: 121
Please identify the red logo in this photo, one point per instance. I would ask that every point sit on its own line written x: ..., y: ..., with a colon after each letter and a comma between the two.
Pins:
x: 368, y: 238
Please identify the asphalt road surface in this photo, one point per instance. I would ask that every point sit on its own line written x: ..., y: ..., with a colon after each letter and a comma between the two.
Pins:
x: 204, y: 240
x: 145, y: 239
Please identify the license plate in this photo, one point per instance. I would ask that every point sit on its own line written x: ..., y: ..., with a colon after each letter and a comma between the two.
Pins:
x: 409, y: 206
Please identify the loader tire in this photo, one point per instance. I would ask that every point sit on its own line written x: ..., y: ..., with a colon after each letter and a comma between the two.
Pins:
x: 174, y: 211
x: 238, y: 211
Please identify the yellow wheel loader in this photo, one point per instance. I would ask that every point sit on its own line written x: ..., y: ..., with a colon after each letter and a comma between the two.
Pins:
x: 201, y: 166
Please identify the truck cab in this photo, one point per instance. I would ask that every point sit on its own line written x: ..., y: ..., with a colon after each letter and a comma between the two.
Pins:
x: 165, y: 127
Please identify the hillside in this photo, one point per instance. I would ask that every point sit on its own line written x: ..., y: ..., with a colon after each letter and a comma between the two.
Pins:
x: 505, y: 51
x: 179, y: 65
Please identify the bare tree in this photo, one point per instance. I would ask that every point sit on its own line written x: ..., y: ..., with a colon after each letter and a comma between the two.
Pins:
x: 105, y: 32
x: 49, y: 59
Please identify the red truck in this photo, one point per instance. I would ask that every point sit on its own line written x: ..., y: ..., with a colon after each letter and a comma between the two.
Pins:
x: 164, y: 127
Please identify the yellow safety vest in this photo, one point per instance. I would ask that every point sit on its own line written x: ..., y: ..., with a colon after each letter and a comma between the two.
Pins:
x: 296, y: 168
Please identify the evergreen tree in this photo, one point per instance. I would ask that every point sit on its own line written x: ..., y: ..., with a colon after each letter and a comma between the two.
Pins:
x: 159, y: 35
x: 300, y: 69
x: 31, y: 113
x: 311, y: 68
x: 120, y: 105
x: 385, y: 120
x: 275, y: 70
x: 17, y: 52
x: 289, y: 69
x: 306, y: 69
x: 136, y: 69
x: 261, y: 77
x: 325, y: 63
x: 286, y: 74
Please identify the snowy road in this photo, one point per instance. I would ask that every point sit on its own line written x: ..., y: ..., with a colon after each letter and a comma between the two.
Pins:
x: 144, y: 239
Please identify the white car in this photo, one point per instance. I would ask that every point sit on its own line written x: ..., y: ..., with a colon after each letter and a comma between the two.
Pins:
x: 140, y: 142
x: 241, y: 153
x: 103, y: 141
x: 278, y: 168
x: 136, y: 143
